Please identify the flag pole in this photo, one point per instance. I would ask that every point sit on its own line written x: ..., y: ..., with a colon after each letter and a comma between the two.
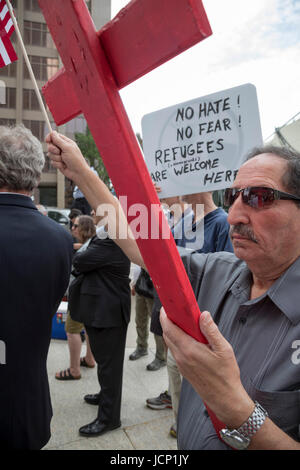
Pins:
x: 38, y: 94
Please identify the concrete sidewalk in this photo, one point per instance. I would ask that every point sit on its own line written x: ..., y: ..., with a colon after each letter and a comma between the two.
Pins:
x: 142, y: 428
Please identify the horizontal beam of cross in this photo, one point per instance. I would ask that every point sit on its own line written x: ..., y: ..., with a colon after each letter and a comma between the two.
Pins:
x: 144, y: 35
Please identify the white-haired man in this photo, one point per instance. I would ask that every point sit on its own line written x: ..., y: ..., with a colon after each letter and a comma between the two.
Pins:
x: 36, y: 257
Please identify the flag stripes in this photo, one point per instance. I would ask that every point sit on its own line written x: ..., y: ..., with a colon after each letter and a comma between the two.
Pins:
x: 7, y: 52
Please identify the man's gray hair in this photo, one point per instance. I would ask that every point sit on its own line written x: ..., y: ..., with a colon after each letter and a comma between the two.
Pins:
x: 21, y: 158
x: 291, y: 178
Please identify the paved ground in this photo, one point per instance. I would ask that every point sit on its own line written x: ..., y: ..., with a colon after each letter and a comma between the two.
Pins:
x: 142, y: 428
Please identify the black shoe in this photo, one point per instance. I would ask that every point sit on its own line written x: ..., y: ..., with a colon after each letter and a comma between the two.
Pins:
x: 96, y: 428
x: 92, y: 399
x: 137, y: 354
x: 156, y: 364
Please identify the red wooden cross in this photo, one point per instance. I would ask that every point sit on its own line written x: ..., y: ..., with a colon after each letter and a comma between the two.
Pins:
x: 143, y: 35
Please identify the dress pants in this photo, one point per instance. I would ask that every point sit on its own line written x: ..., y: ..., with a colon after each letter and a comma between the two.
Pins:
x: 108, y: 348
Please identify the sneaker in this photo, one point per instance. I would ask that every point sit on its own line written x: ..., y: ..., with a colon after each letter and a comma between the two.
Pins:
x: 137, y: 354
x: 173, y: 431
x: 156, y: 364
x: 161, y: 402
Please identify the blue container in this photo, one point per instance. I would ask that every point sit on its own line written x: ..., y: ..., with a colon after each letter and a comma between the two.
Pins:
x: 58, y: 322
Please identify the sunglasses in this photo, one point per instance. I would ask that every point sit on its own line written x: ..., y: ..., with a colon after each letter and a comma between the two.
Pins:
x: 256, y: 196
x: 75, y: 225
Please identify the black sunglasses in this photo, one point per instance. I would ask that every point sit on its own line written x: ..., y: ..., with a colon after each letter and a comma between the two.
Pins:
x: 75, y: 225
x: 256, y: 196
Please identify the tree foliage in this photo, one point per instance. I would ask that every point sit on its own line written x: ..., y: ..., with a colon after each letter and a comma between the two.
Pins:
x: 89, y: 150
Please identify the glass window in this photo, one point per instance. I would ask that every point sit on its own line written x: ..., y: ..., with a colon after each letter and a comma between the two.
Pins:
x: 43, y: 67
x: 9, y: 71
x: 38, y: 128
x: 48, y: 167
x: 32, y: 5
x: 37, y: 34
x: 48, y: 195
x: 10, y: 98
x: 7, y: 122
x: 30, y: 100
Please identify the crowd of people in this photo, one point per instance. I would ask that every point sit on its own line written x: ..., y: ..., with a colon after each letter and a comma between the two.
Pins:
x: 243, y: 267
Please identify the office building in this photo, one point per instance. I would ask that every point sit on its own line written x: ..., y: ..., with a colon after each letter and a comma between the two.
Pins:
x: 19, y: 103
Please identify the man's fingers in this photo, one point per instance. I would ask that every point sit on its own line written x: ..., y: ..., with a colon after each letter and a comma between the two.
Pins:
x: 59, y: 165
x: 166, y: 325
x: 174, y: 336
x: 60, y: 140
x: 54, y: 150
x: 209, y: 329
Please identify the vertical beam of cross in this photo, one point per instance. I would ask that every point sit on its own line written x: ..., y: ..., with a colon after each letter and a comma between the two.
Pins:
x: 92, y: 76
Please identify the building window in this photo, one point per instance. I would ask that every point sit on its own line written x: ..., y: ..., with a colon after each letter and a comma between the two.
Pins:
x: 48, y: 168
x: 38, y: 128
x: 7, y: 122
x: 32, y: 5
x: 9, y: 71
x: 37, y: 34
x: 30, y: 100
x: 10, y: 98
x: 43, y: 67
x: 48, y: 195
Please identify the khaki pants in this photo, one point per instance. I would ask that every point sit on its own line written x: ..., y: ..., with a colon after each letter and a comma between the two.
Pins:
x: 143, y: 309
x: 174, y: 383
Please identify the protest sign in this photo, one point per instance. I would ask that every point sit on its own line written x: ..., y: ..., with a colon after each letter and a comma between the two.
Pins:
x: 199, y: 145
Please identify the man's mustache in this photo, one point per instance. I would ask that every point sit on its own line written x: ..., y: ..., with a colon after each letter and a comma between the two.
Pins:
x: 244, y: 231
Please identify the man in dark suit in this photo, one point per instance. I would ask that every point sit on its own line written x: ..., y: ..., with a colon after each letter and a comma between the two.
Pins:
x: 100, y: 298
x: 35, y: 261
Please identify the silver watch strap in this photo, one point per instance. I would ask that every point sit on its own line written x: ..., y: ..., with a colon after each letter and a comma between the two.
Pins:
x: 254, y: 422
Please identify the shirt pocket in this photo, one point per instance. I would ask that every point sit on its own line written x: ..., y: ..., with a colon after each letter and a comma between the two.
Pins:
x: 283, y: 408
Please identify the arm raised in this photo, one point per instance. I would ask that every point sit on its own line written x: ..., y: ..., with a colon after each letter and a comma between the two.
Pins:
x: 66, y: 156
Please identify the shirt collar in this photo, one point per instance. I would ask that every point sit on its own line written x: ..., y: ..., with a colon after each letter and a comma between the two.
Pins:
x: 16, y: 199
x: 16, y: 194
x: 285, y: 292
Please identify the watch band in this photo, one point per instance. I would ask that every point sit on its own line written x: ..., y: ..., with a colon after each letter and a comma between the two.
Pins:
x: 254, y: 422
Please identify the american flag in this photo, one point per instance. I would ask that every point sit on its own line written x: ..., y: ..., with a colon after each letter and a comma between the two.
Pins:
x: 7, y: 52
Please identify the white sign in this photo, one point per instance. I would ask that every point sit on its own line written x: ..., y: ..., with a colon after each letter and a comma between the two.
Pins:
x: 199, y: 145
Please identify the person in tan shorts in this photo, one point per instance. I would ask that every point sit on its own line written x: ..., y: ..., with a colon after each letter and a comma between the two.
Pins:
x: 83, y: 229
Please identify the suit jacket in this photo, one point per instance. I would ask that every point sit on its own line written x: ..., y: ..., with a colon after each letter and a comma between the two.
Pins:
x: 35, y: 264
x: 100, y: 294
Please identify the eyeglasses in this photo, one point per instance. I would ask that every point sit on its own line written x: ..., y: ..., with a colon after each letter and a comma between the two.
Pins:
x: 256, y: 196
x: 75, y: 225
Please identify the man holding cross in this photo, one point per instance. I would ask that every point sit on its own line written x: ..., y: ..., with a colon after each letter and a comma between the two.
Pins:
x: 248, y: 374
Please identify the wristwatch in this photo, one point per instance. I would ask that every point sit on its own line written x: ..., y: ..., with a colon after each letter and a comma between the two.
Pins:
x: 240, y: 438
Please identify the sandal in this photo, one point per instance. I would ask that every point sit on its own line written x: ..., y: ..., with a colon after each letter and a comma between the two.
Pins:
x: 83, y: 363
x: 66, y: 375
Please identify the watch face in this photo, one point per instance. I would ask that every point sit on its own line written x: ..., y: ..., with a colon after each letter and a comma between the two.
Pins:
x: 234, y: 439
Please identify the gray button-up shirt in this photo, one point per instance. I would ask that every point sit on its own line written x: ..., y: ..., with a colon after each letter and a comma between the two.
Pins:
x: 264, y: 334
